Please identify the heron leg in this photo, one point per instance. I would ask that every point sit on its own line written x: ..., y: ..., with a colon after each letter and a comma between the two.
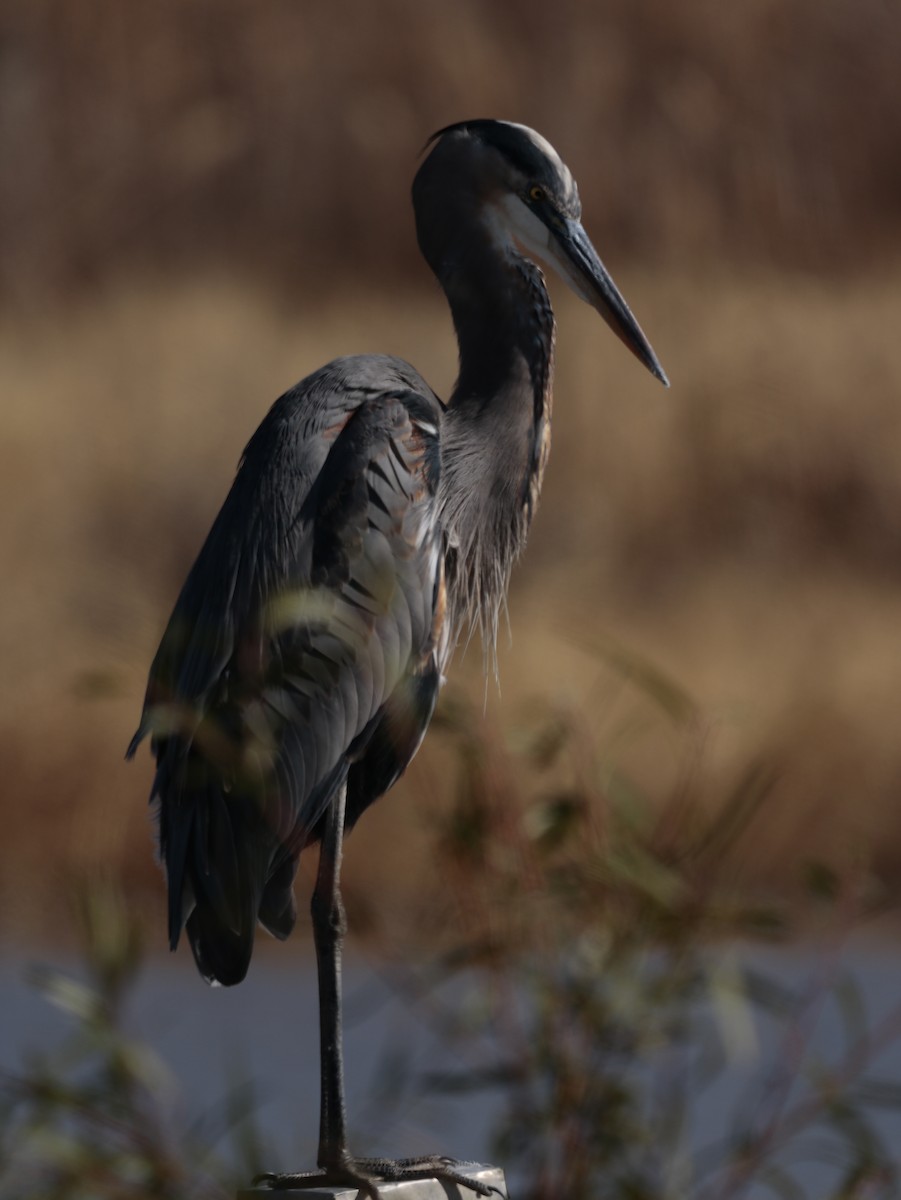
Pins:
x: 336, y: 1166
x: 329, y: 926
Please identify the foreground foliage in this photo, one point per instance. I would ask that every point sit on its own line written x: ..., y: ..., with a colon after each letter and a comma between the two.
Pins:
x: 90, y: 1120
x: 593, y: 944
x: 607, y: 995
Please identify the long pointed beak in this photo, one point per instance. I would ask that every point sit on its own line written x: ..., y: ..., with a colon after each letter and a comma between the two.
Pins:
x: 572, y: 253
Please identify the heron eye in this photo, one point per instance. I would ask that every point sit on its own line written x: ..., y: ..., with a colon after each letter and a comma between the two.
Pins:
x: 536, y: 193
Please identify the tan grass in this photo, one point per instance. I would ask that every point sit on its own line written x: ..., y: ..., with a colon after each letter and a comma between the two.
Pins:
x: 741, y: 532
x: 277, y: 133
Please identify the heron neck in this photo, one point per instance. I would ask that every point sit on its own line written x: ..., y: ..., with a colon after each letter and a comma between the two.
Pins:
x: 496, y: 432
x: 505, y: 331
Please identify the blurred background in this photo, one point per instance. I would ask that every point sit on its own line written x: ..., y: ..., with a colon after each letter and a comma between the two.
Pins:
x: 203, y: 200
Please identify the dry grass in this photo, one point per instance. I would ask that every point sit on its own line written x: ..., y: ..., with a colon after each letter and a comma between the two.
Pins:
x: 271, y: 133
x: 741, y: 532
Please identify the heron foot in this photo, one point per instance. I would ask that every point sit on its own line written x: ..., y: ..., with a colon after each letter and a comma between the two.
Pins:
x: 338, y: 1176
x: 366, y: 1174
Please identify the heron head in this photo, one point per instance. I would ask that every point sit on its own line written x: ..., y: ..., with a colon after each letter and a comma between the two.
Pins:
x: 526, y: 195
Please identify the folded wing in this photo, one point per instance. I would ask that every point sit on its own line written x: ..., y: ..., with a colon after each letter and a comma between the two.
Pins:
x: 303, y: 653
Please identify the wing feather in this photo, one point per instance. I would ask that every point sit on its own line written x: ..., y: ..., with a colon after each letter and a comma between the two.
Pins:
x: 302, y: 647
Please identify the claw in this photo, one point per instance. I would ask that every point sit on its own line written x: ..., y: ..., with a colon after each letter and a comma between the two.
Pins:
x: 316, y: 1179
x: 362, y: 1173
x: 300, y: 1180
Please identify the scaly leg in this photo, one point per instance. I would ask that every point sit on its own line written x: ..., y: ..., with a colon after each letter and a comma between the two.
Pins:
x: 329, y: 925
x: 336, y: 1167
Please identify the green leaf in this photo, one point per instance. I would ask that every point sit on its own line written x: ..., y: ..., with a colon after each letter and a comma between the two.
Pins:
x: 732, y: 1008
x: 744, y: 802
x: 659, y: 687
x: 821, y: 881
x: 73, y: 997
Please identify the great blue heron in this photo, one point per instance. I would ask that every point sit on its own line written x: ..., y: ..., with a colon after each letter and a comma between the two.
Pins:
x: 367, y: 526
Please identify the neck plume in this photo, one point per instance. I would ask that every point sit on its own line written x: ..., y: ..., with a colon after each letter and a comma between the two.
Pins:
x: 496, y: 432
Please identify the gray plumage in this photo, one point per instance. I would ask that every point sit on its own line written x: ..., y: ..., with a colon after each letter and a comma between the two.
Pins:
x: 303, y: 641
x: 367, y: 528
x: 306, y: 648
